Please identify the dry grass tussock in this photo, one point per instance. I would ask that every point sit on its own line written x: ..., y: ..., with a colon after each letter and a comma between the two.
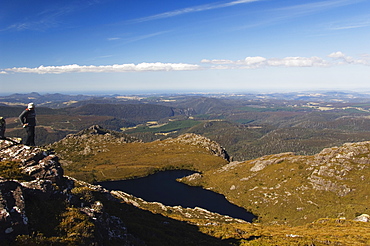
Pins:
x: 98, y: 158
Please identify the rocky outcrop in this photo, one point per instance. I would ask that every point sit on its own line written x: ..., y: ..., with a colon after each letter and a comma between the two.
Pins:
x: 13, y: 218
x: 362, y: 218
x: 98, y: 130
x: 196, y: 213
x: 198, y: 140
x: 45, y: 184
x: 265, y: 161
x: 294, y: 189
x: 329, y: 170
x: 332, y: 166
x: 89, y: 142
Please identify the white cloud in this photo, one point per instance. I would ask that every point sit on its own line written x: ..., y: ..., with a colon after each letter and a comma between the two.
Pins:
x: 258, y: 61
x: 218, y: 62
x: 343, y: 59
x: 314, y: 61
x: 337, y: 54
x: 249, y: 62
x: 142, y: 67
x: 298, y: 62
x: 255, y: 61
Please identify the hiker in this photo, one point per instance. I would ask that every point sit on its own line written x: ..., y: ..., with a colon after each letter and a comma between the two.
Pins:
x: 28, y: 120
x: 2, y: 128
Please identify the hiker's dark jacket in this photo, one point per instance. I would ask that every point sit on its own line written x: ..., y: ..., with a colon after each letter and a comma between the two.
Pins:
x: 28, y: 116
x: 2, y: 123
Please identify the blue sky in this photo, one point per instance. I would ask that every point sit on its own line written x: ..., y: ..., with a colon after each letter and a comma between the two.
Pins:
x: 194, y: 45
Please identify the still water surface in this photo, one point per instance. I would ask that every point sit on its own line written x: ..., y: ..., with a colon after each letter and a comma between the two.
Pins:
x: 162, y: 187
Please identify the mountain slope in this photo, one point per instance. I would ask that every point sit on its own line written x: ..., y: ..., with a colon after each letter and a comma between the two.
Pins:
x: 289, y: 189
x: 97, y: 155
x: 41, y: 206
x: 133, y: 112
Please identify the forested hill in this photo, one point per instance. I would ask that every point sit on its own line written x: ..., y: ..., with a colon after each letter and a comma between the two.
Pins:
x: 132, y: 112
x: 54, y: 124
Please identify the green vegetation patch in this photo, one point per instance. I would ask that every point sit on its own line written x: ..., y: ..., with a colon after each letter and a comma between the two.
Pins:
x: 169, y: 127
x: 11, y: 170
x: 265, y: 109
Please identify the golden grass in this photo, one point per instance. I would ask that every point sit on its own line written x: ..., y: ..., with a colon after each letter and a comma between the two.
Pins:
x: 321, y: 232
x: 130, y: 160
x: 281, y: 193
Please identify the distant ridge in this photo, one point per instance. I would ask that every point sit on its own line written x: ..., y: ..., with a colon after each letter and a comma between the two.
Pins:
x: 132, y: 112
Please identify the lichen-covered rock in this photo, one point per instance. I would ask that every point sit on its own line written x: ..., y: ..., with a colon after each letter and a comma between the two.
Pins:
x: 194, y: 139
x: 362, y: 218
x: 13, y: 219
x: 35, y: 162
x: 46, y: 168
x: 190, y: 213
x: 265, y: 161
x: 50, y: 186
x: 39, y: 188
x: 90, y: 141
x: 332, y: 166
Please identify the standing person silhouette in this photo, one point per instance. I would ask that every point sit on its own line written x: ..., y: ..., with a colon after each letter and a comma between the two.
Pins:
x: 28, y: 120
x: 2, y: 127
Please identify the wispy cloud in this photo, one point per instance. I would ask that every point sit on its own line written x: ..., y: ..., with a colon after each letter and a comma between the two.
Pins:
x: 314, y: 7
x: 51, y: 17
x: 199, y: 8
x: 127, y: 38
x: 113, y: 39
x: 358, y: 22
x: 35, y: 25
x: 281, y: 14
x: 142, y: 37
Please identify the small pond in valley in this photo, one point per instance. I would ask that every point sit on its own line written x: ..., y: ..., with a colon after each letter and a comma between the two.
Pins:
x: 162, y: 187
